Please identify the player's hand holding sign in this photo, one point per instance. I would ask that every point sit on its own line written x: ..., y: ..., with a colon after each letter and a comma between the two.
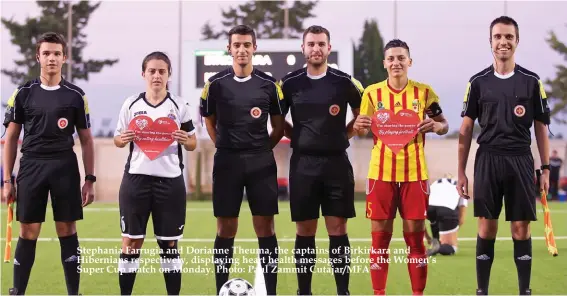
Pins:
x: 127, y: 136
x: 362, y: 123
x: 181, y: 137
x: 428, y: 125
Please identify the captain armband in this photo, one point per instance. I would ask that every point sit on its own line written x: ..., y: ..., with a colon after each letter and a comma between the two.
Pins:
x: 187, y: 126
x: 433, y: 110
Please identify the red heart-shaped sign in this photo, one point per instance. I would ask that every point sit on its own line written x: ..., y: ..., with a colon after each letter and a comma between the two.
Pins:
x: 395, y: 130
x: 153, y: 137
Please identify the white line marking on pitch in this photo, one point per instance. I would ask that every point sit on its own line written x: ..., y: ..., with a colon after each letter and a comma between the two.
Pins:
x: 244, y: 209
x: 255, y: 240
x: 115, y: 209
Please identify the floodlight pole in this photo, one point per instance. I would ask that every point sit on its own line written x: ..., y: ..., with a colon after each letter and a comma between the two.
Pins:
x: 69, y: 41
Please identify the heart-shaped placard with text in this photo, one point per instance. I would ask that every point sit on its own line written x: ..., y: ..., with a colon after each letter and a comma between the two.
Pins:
x: 153, y: 137
x: 395, y: 130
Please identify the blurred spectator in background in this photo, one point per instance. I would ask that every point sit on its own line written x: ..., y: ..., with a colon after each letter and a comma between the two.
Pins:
x: 555, y: 164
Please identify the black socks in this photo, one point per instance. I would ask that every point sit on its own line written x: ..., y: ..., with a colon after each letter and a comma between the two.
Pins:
x: 446, y: 249
x: 171, y: 265
x: 222, y: 260
x: 484, y: 259
x: 339, y: 255
x: 23, y: 261
x: 127, y: 268
x: 305, y: 255
x: 523, y: 259
x: 70, y: 259
x: 269, y: 262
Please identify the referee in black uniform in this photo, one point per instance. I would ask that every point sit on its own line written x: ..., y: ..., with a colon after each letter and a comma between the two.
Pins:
x: 321, y: 175
x: 507, y: 99
x: 50, y: 109
x: 236, y: 104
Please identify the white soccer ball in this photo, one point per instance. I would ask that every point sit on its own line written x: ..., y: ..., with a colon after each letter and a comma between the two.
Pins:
x: 237, y: 287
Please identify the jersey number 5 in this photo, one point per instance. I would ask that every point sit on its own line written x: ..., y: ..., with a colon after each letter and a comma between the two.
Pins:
x: 368, y: 209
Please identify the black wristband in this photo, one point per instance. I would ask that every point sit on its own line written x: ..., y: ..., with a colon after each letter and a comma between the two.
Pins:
x: 545, y: 167
x: 91, y: 178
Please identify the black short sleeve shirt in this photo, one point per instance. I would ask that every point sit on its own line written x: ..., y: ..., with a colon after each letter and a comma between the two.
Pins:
x: 242, y: 106
x: 318, y: 108
x: 506, y: 107
x: 49, y: 115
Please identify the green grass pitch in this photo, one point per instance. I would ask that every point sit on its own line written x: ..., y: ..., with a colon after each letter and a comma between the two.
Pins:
x: 99, y: 234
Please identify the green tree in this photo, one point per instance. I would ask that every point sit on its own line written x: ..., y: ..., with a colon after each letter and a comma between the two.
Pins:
x: 357, y: 69
x: 53, y: 18
x: 267, y: 18
x: 369, y: 55
x: 207, y: 32
x: 557, y: 91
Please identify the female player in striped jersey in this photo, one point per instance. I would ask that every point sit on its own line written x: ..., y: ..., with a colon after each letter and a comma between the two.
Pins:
x: 153, y: 185
x: 399, y: 179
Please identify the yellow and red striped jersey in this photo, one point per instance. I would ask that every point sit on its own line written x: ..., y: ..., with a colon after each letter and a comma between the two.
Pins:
x: 409, y: 164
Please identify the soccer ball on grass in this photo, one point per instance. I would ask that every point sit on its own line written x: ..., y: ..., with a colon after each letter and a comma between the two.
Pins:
x: 237, y: 287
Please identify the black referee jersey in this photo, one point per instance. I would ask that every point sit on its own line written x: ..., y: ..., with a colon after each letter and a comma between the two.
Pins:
x: 506, y: 107
x: 49, y: 115
x: 318, y: 107
x: 241, y: 107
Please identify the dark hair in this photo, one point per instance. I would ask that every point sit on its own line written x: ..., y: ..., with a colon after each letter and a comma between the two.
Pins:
x: 51, y: 37
x: 157, y: 55
x: 396, y: 43
x: 506, y: 20
x: 317, y: 30
x: 242, y: 30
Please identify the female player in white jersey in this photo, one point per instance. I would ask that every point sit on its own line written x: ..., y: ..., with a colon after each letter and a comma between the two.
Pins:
x: 156, y: 126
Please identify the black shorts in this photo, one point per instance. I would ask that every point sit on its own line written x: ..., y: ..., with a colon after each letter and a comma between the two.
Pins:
x: 511, y: 176
x: 164, y: 198
x: 447, y: 219
x: 257, y: 172
x: 38, y: 179
x: 325, y: 182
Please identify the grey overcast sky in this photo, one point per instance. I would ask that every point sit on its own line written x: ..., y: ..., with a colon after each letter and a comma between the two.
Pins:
x: 448, y: 40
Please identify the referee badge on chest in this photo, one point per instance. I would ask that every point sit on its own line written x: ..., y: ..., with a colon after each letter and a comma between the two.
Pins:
x: 171, y: 114
x: 519, y: 110
x: 334, y: 110
x: 256, y: 112
x: 62, y: 122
